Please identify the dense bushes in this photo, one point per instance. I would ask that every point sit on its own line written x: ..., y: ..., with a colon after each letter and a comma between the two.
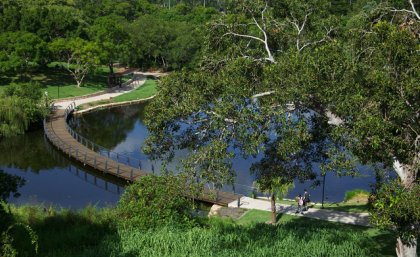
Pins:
x: 153, y: 201
x: 20, y: 106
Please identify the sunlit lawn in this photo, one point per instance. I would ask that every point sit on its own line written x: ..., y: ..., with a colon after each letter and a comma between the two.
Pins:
x: 59, y: 83
x: 146, y: 90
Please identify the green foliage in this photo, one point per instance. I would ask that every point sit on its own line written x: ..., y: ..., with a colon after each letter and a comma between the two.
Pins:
x: 354, y: 193
x: 20, y: 51
x: 20, y: 106
x: 109, y: 33
x: 92, y: 232
x: 9, y: 184
x: 79, y: 56
x: 155, y: 201
x: 47, y: 19
x: 8, y: 244
x: 62, y: 232
x: 160, y: 43
x: 395, y: 207
x: 295, y: 237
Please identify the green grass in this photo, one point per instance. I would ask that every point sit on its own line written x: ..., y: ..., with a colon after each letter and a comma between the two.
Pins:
x: 148, y: 89
x: 254, y: 216
x: 70, y: 91
x: 55, y: 79
x: 350, y: 195
x: 345, y: 207
x: 92, y: 232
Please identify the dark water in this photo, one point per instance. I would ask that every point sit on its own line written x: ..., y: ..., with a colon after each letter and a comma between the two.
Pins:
x: 52, y: 178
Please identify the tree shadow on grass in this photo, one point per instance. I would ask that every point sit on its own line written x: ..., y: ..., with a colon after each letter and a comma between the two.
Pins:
x: 66, y: 233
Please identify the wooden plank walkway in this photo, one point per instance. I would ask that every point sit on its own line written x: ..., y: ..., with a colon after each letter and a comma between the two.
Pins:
x: 58, y: 132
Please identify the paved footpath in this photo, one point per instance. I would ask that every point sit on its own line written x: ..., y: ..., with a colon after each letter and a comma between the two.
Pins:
x: 139, y: 80
x: 361, y: 219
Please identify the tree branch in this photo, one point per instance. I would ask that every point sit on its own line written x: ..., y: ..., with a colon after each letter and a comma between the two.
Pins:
x: 262, y: 94
x: 412, y: 11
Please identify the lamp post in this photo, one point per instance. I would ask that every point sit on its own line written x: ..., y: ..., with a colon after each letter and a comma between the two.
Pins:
x: 46, y: 98
x: 323, y: 189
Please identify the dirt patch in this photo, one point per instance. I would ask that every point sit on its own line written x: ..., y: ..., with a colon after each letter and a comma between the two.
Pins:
x: 226, y: 212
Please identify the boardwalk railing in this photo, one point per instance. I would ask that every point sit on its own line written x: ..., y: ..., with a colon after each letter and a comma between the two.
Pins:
x: 136, y: 163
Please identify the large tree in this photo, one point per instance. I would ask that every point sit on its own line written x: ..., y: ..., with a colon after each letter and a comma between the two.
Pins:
x: 265, y: 66
x: 379, y: 108
x: 236, y: 104
x: 78, y: 55
x: 109, y: 33
x: 19, y: 51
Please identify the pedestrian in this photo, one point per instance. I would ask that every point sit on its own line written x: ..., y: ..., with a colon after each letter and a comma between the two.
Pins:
x: 306, y: 199
x: 300, y: 204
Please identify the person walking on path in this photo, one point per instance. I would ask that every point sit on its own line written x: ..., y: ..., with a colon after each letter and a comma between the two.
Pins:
x: 306, y: 199
x: 300, y: 204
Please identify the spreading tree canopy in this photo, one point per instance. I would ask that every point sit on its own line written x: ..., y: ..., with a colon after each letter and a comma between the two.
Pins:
x: 299, y: 85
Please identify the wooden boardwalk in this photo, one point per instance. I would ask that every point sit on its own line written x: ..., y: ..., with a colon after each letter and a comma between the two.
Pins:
x: 69, y: 142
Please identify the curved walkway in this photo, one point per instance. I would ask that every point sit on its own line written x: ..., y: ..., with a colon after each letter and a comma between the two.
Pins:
x: 361, y: 219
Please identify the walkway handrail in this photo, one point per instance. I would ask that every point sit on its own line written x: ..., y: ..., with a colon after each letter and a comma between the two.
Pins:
x: 68, y: 149
x: 103, y: 151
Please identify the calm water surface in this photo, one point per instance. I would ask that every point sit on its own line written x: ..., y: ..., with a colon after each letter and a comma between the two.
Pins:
x: 52, y: 178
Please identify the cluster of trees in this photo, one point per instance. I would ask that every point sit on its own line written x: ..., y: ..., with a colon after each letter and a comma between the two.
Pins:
x: 87, y: 33
x: 303, y: 83
x: 81, y: 35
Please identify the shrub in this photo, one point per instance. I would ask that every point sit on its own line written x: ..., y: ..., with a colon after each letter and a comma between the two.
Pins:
x: 154, y: 201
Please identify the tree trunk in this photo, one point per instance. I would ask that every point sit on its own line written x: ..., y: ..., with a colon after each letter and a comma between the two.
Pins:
x: 406, y: 250
x: 273, y: 209
x: 111, y: 67
x: 407, y: 174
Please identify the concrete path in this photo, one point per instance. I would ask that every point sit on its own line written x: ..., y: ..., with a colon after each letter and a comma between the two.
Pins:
x: 138, y: 80
x: 361, y: 219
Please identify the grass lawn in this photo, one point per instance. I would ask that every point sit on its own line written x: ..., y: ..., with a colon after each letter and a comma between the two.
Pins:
x: 345, y: 207
x: 148, y: 89
x: 56, y: 81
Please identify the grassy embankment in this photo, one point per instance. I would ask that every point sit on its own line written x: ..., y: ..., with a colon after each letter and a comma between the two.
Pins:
x: 57, y: 80
x: 148, y: 89
x: 92, y: 232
